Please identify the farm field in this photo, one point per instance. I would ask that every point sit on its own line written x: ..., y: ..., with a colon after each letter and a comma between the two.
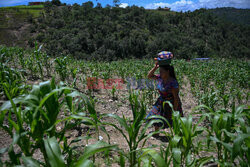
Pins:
x: 60, y: 111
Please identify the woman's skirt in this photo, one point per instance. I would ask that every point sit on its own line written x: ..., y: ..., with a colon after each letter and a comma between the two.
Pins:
x: 166, y: 112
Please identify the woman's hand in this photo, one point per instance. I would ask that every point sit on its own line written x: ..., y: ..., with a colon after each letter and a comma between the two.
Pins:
x: 156, y: 63
x: 152, y: 71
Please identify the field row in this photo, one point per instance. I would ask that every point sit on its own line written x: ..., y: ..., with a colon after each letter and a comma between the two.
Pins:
x: 32, y: 113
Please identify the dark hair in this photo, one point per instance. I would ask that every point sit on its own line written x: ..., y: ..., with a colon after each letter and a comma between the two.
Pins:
x: 170, y: 69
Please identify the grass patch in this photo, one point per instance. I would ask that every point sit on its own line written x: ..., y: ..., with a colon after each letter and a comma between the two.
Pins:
x: 25, y: 7
x: 22, y: 11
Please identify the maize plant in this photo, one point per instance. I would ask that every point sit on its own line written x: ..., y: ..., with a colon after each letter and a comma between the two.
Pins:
x: 36, y: 116
x: 11, y: 82
x: 32, y: 118
x: 61, y: 67
x: 38, y: 57
x: 230, y: 133
x: 136, y: 128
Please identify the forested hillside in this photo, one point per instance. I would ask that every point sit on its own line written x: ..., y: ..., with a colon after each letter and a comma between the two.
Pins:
x: 89, y: 32
x: 238, y: 16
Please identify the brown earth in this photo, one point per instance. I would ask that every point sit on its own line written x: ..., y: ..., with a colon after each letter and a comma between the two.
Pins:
x: 14, y: 28
x: 105, y: 104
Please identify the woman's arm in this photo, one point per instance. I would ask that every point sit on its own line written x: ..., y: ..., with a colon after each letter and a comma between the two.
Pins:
x: 152, y: 71
x: 175, y: 92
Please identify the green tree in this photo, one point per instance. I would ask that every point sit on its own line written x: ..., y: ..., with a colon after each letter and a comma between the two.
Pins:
x: 56, y: 2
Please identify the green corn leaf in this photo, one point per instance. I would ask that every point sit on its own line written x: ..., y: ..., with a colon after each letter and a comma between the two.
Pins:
x: 241, y: 109
x: 226, y: 145
x: 35, y: 90
x: 91, y: 108
x: 204, y: 106
x: 121, y: 160
x: 186, y: 127
x: 3, y: 150
x: 247, y: 140
x: 184, y: 141
x: 2, y: 116
x: 175, y: 141
x: 145, y: 128
x: 229, y: 134
x: 13, y: 156
x: 167, y: 153
x: 176, y: 157
x: 54, y: 153
x: 11, y: 100
x: 30, y: 162
x: 160, y: 119
x: 237, y: 144
x: 7, y: 105
x: 119, y: 129
x: 45, y: 87
x: 85, y: 163
x: 90, y: 150
x: 160, y: 162
x: 201, y: 161
x: 146, y: 162
x: 189, y: 161
x: 14, y: 125
x: 69, y: 98
x: 85, y: 120
x: 47, y: 96
x: 121, y: 121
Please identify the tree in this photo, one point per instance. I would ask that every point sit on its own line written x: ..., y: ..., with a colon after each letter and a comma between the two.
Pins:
x: 56, y: 2
x: 88, y: 5
x: 99, y: 5
x: 116, y: 2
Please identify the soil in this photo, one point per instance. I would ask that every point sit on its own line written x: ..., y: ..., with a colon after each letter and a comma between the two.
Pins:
x: 14, y: 29
x: 119, y: 106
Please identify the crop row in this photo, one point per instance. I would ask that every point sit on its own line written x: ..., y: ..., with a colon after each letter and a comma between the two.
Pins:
x: 30, y: 114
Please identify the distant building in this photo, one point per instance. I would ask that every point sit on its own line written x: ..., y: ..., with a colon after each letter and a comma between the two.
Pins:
x: 165, y: 9
x: 35, y: 3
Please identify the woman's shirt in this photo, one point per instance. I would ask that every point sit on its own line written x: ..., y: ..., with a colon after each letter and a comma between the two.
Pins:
x: 165, y: 89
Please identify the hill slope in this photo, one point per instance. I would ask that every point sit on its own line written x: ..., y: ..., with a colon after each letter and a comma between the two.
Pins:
x: 15, y: 23
x: 113, y: 33
x: 116, y: 33
x: 238, y: 16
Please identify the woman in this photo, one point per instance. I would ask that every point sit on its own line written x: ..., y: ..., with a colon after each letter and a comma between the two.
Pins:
x: 168, y: 88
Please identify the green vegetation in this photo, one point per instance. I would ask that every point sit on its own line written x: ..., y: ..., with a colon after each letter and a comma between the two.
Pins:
x: 239, y: 16
x: 21, y: 12
x: 54, y: 88
x: 97, y: 33
x: 25, y: 7
x: 38, y: 118
x: 15, y: 22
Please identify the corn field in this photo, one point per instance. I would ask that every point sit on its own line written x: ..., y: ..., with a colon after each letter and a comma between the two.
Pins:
x: 43, y: 98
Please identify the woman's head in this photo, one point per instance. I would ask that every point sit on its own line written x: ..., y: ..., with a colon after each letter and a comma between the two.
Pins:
x: 167, y: 71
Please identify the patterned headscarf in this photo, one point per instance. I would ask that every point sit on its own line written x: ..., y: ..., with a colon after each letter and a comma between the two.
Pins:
x: 165, y: 55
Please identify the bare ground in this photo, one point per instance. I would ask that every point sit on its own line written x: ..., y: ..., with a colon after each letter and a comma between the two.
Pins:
x: 105, y: 104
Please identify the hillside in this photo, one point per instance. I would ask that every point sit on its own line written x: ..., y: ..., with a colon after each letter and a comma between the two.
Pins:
x: 15, y: 24
x: 238, y: 16
x: 90, y: 32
